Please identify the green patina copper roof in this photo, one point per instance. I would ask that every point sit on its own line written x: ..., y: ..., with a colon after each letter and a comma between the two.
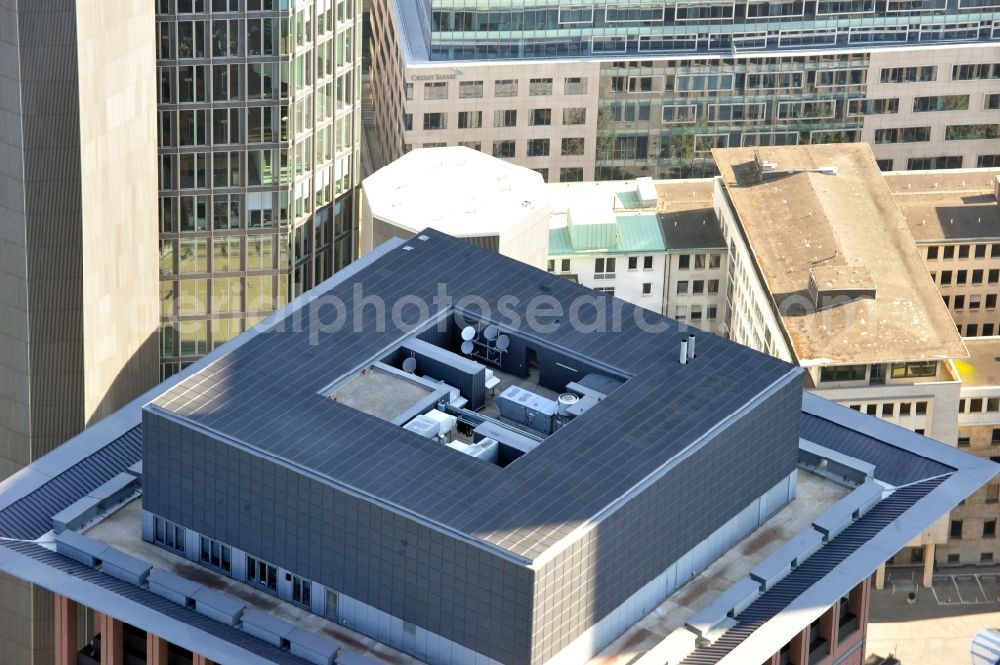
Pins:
x: 630, y: 234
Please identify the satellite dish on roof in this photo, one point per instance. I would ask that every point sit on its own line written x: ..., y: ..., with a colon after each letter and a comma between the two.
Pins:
x: 410, y: 365
x: 468, y: 332
x: 503, y: 342
x: 491, y: 332
x: 467, y: 347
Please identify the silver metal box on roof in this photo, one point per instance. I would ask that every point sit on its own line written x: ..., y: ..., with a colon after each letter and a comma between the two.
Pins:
x: 528, y: 408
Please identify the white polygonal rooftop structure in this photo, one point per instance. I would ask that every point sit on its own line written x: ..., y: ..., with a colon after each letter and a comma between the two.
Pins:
x: 462, y: 192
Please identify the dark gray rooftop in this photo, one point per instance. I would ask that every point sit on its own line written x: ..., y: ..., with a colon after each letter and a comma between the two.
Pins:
x: 693, y: 228
x: 265, y: 395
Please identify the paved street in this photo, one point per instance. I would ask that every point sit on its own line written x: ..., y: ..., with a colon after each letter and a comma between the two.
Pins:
x: 938, y: 628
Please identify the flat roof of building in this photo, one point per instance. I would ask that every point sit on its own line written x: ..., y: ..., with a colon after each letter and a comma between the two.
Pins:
x: 682, y: 218
x: 982, y: 368
x: 266, y: 396
x: 796, y: 219
x: 947, y: 205
x: 122, y: 530
x: 814, y: 495
x: 930, y: 477
x: 455, y: 190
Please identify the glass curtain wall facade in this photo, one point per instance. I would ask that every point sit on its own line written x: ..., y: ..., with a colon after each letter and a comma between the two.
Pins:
x: 259, y: 130
x: 512, y: 29
x: 916, y: 79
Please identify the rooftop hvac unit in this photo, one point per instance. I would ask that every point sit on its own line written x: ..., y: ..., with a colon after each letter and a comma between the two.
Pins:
x: 565, y: 401
x: 527, y: 408
x: 486, y: 449
x: 424, y: 426
x: 446, y: 423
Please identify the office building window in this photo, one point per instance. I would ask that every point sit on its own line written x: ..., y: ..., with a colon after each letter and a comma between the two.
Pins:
x: 503, y: 149
x: 902, y: 135
x: 604, y: 268
x: 539, y: 87
x: 470, y: 89
x: 168, y: 534
x: 682, y: 286
x: 647, y: 288
x: 955, y: 532
x: 971, y: 132
x: 470, y: 119
x: 538, y: 147
x: 571, y: 174
x: 505, y: 118
x: 436, y: 90
x: 843, y: 373
x: 684, y: 261
x: 574, y: 116
x: 435, y: 121
x: 993, y: 493
x: 990, y: 529
x: 574, y: 85
x: 647, y: 263
x: 216, y: 555
x: 540, y: 117
x: 261, y: 574
x: 572, y: 147
x: 301, y: 590
x: 505, y: 88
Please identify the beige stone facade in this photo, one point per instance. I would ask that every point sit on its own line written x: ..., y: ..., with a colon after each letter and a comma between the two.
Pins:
x: 78, y: 200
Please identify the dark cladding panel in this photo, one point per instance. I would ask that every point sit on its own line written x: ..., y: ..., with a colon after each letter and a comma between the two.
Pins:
x: 668, y: 519
x: 411, y: 571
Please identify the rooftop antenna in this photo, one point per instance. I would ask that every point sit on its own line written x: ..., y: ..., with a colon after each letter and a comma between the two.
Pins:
x: 467, y: 347
x: 468, y: 333
x: 410, y: 365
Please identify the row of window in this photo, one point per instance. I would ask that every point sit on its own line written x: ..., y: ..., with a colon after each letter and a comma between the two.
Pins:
x: 501, y: 118
x: 559, y: 18
x: 978, y: 251
x: 507, y: 149
x: 697, y: 286
x: 891, y: 409
x: 973, y: 303
x: 942, y: 162
x: 905, y: 370
x: 923, y: 134
x: 973, y: 330
x: 957, y: 527
x: 965, y: 436
x: 694, y: 313
x: 537, y: 87
x: 571, y: 44
x: 216, y: 555
x: 981, y: 405
x: 224, y: 295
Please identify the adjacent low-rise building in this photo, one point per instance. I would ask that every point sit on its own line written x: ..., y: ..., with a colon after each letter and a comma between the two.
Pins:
x: 972, y: 537
x: 825, y: 274
x: 459, y: 487
x: 955, y: 221
x: 654, y: 244
x: 616, y: 90
x: 464, y: 193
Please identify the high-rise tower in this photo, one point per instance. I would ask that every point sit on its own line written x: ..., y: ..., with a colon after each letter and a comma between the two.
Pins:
x: 259, y: 130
